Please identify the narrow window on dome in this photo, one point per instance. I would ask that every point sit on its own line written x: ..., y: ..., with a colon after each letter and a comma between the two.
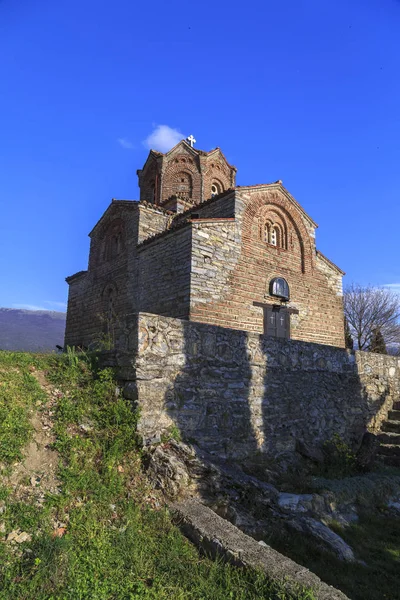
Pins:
x: 274, y: 237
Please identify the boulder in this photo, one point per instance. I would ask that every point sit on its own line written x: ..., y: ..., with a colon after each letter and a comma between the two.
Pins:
x: 325, y: 537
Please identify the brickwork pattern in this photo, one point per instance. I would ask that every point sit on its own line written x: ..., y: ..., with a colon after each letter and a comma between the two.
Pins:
x: 184, y: 172
x: 244, y: 270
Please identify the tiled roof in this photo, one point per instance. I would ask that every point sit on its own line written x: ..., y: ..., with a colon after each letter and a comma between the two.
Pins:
x: 75, y: 276
x: 155, y: 207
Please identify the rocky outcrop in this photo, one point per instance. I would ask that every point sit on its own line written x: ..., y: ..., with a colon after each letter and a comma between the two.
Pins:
x: 256, y: 507
x: 216, y: 536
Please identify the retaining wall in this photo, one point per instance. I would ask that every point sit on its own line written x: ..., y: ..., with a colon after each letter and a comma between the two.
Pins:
x: 235, y: 393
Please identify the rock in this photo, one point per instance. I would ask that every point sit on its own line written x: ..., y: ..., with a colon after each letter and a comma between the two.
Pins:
x: 167, y: 472
x: 394, y: 506
x: 85, y: 427
x: 23, y: 537
x: 151, y: 441
x: 366, y: 455
x: 12, y: 535
x: 295, y: 502
x: 311, y: 452
x: 329, y: 539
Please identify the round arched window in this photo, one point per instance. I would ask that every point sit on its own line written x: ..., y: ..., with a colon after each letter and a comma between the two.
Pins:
x: 279, y: 288
x: 216, y: 188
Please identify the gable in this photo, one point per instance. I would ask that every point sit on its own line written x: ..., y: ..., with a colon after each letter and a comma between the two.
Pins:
x: 271, y: 219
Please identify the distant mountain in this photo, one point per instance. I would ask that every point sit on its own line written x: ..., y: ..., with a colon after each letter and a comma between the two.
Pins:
x: 31, y: 330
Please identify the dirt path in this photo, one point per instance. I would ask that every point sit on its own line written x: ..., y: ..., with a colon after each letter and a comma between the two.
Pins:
x: 36, y: 473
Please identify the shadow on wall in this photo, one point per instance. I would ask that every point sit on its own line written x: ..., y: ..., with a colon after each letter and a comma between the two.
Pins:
x: 208, y: 399
x: 235, y: 393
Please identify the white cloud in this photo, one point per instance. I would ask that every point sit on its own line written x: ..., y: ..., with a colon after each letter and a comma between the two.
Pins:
x: 125, y: 143
x: 163, y: 138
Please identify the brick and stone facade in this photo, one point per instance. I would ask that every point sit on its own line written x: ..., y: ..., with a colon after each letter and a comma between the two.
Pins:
x: 198, y: 247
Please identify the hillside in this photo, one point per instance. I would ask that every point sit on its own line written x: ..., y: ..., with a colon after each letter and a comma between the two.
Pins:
x: 78, y: 519
x: 31, y: 331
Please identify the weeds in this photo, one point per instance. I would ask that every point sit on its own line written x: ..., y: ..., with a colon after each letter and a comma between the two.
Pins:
x: 118, y: 541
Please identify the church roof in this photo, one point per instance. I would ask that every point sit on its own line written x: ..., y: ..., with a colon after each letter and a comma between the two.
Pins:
x: 188, y: 147
x: 114, y: 206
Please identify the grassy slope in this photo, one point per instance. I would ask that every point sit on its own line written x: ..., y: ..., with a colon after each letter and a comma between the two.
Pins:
x: 118, y: 540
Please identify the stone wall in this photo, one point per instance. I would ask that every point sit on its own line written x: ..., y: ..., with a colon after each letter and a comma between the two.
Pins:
x: 90, y: 318
x: 236, y: 393
x: 164, y: 274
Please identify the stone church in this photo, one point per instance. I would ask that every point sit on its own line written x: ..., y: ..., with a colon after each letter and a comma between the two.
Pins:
x: 198, y: 247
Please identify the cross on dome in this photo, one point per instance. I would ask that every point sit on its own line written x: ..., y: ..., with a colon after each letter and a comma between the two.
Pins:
x: 191, y: 140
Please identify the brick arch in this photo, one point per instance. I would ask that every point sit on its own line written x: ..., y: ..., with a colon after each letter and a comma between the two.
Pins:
x: 262, y: 202
x: 272, y: 217
x: 213, y: 174
x: 180, y: 164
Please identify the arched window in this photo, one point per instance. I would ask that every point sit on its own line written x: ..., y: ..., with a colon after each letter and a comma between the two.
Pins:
x: 114, y: 240
x: 110, y: 302
x: 216, y: 188
x: 271, y: 233
x: 279, y: 287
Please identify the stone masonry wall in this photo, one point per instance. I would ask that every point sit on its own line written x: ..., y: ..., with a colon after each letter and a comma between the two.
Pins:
x: 88, y: 321
x: 235, y: 393
x: 88, y: 318
x: 164, y: 274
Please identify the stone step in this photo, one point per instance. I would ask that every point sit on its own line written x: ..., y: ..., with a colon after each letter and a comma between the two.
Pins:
x: 391, y: 426
x: 394, y: 415
x: 389, y: 438
x: 390, y: 461
x: 389, y: 450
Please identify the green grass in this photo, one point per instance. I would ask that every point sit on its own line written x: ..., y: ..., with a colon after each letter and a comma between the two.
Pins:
x: 376, y: 542
x: 116, y: 545
x: 19, y: 394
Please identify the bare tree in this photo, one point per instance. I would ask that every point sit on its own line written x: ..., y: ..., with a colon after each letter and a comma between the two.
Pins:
x: 370, y: 308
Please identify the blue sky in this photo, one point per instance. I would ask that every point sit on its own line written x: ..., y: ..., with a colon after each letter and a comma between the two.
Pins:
x: 300, y: 90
